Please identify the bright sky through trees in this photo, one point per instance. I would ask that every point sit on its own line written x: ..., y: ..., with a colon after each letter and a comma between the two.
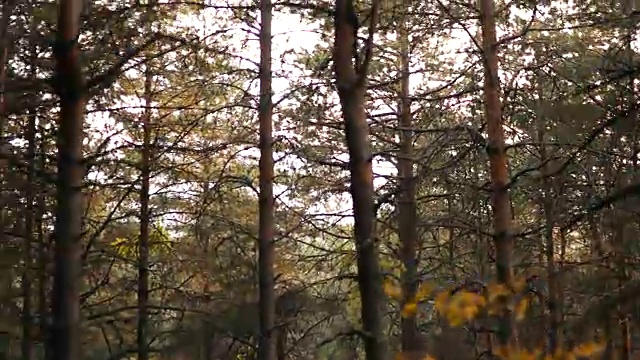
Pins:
x: 292, y: 35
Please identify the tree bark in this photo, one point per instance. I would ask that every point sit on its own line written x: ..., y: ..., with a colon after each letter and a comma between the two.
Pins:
x: 27, y: 293
x: 620, y: 233
x: 203, y: 237
x: 554, y: 318
x: 503, y: 238
x: 266, y: 246
x: 7, y: 11
x: 407, y: 231
x: 142, y: 331
x: 65, y: 330
x: 351, y: 86
x: 43, y: 259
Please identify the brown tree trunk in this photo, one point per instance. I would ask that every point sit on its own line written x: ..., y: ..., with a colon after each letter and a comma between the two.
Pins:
x: 407, y: 232
x: 554, y: 335
x: 26, y: 348
x: 7, y: 11
x: 622, y: 271
x: 281, y: 342
x: 142, y: 331
x: 266, y: 246
x: 27, y: 319
x: 351, y: 85
x: 65, y: 329
x: 615, y: 223
x: 43, y: 260
x: 203, y: 237
x: 500, y: 201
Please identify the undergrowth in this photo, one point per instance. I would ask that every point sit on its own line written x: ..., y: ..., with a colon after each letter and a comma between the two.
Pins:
x: 460, y: 306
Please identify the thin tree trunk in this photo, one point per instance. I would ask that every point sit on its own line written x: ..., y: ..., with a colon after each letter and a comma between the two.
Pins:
x: 44, y: 247
x: 266, y: 246
x: 407, y: 232
x: 65, y: 330
x: 500, y: 202
x: 27, y: 320
x: 554, y: 336
x: 143, y: 241
x: 351, y: 86
x: 203, y: 237
x: 7, y: 11
x: 43, y: 259
x: 615, y: 223
x: 26, y: 348
x: 281, y: 342
x: 622, y: 271
x: 30, y: 208
x: 611, y: 225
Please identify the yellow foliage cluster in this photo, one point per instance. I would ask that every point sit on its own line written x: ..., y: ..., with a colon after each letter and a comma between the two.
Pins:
x: 459, y: 307
x: 585, y: 350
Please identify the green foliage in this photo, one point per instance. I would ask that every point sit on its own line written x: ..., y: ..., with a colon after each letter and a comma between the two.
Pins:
x: 159, y: 243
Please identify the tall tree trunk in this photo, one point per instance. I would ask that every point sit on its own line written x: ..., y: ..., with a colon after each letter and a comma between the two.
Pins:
x: 7, y: 11
x: 554, y: 336
x: 26, y: 343
x: 203, y: 237
x: 407, y: 232
x: 614, y: 227
x: 145, y: 175
x: 266, y: 246
x: 65, y: 329
x: 621, y: 261
x: 500, y: 202
x: 43, y: 258
x: 281, y: 342
x: 351, y: 86
x: 27, y: 319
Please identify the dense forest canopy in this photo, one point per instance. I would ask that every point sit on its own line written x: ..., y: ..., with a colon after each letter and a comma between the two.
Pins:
x: 343, y: 179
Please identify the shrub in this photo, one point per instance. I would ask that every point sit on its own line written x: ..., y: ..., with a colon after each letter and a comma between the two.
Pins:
x: 459, y: 306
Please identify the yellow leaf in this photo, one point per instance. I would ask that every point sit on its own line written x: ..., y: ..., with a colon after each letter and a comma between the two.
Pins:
x: 521, y: 309
x: 527, y: 355
x: 399, y: 356
x: 424, y: 291
x: 118, y: 241
x: 497, y: 290
x: 501, y: 352
x: 392, y: 290
x: 441, y: 301
x: 467, y: 298
x: 469, y: 312
x: 493, y: 310
x: 409, y: 309
x: 454, y: 318
x: 523, y: 354
x: 559, y: 354
x: 519, y: 283
x: 587, y: 349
